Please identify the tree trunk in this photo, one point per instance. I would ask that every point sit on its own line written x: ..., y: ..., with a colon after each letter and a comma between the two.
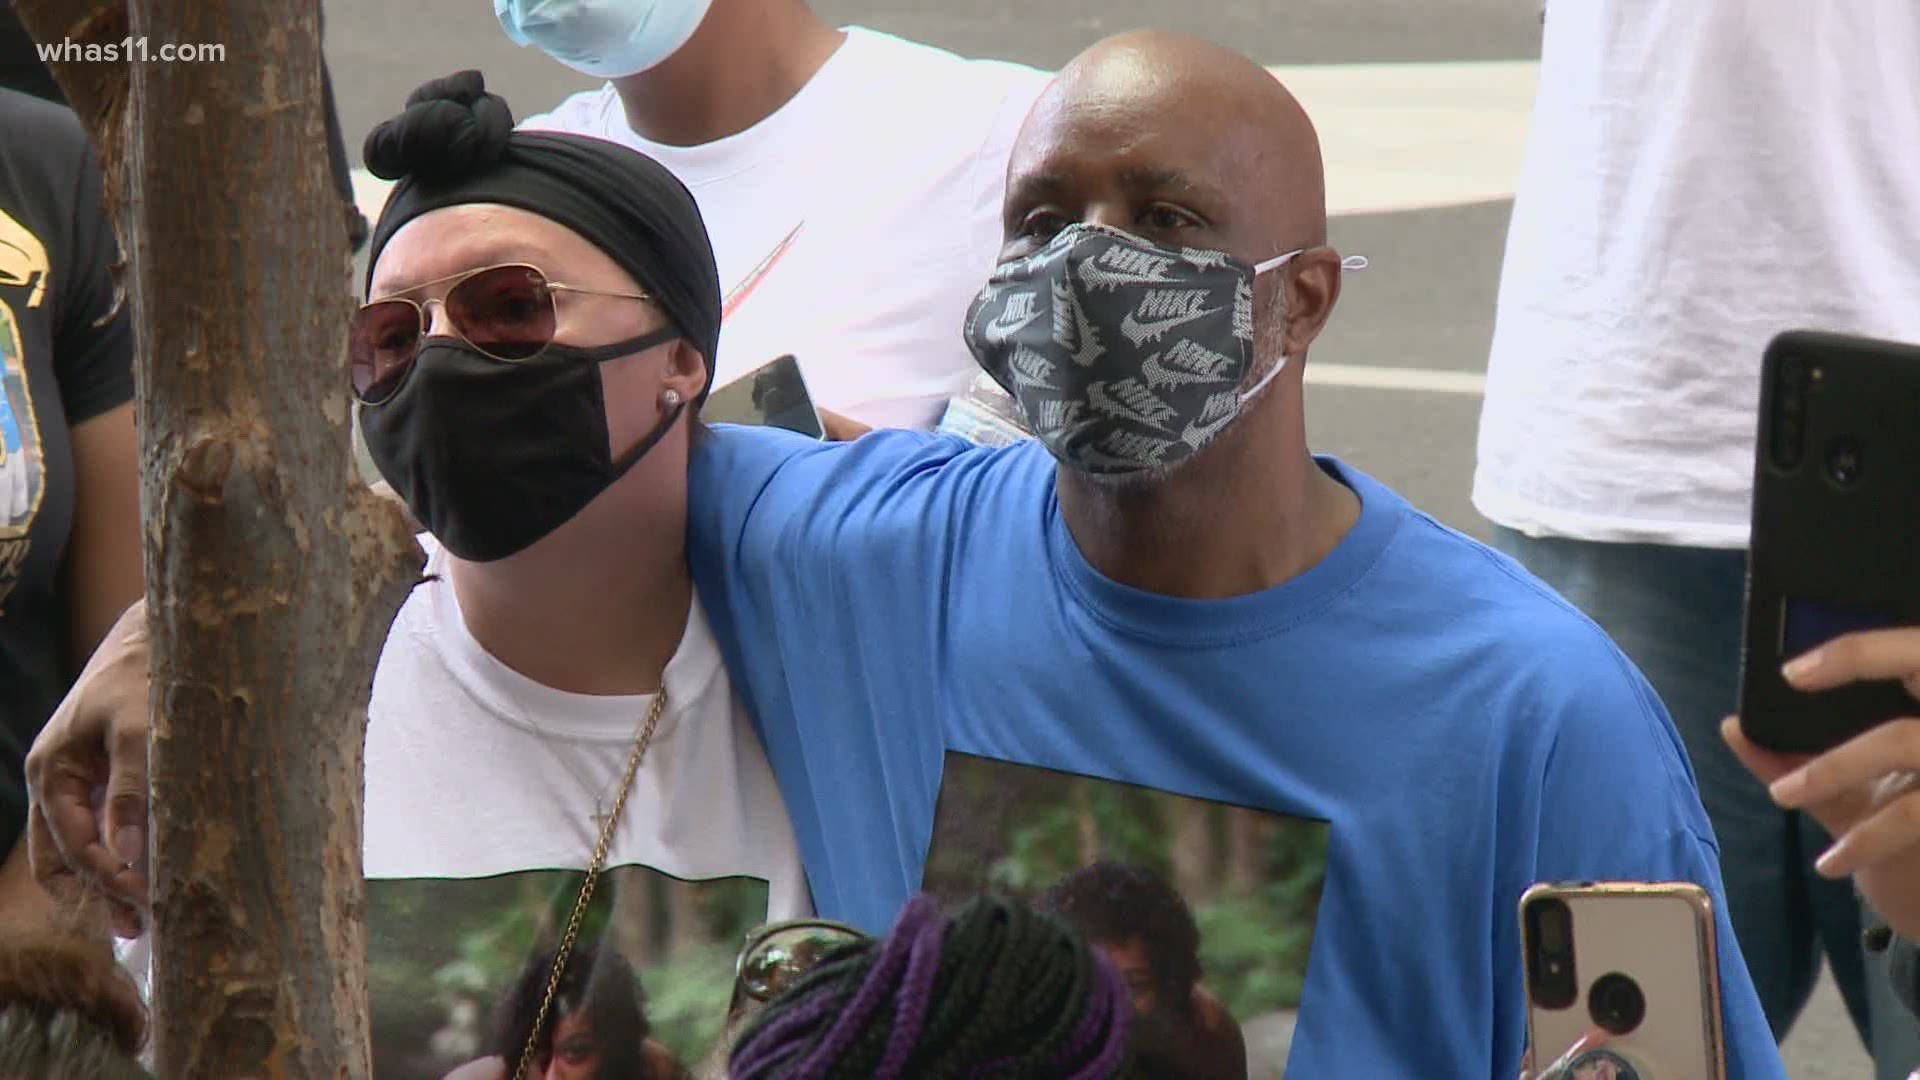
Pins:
x: 633, y: 917
x: 1249, y: 850
x: 272, y: 575
x: 1086, y: 823
x: 686, y: 927
x: 1191, y: 849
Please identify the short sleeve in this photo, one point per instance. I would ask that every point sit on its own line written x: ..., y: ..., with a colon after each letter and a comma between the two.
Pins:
x: 773, y: 512
x: 732, y: 469
x: 93, y: 327
x: 1619, y: 803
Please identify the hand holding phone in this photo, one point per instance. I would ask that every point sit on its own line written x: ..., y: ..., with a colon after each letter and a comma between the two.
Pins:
x: 1866, y: 792
x: 1835, y: 532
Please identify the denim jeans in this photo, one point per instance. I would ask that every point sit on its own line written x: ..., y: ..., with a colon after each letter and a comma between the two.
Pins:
x: 1676, y: 612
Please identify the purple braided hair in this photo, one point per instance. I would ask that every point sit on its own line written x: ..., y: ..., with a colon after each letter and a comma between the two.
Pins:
x: 916, y: 992
x: 1108, y: 1007
x: 875, y: 991
x: 773, y: 1046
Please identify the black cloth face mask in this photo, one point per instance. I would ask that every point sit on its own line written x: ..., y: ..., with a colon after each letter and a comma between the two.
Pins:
x: 493, y: 455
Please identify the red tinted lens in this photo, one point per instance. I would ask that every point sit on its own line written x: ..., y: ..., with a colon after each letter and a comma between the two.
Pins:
x: 381, y: 347
x: 506, y: 312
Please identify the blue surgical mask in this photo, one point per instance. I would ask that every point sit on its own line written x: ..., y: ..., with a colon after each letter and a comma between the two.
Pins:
x: 608, y: 39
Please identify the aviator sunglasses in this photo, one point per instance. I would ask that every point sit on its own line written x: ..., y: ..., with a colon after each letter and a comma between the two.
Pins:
x: 778, y: 955
x: 506, y: 312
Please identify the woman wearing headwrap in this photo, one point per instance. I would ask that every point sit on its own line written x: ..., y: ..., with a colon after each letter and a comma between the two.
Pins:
x: 542, y: 315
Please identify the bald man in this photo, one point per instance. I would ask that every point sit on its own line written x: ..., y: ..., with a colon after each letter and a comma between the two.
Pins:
x: 1167, y: 589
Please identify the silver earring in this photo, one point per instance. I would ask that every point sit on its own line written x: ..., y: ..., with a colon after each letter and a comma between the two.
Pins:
x: 670, y: 397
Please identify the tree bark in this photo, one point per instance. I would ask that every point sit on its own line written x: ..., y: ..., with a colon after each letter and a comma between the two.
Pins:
x: 633, y: 916
x: 1249, y: 850
x: 1086, y: 824
x: 685, y: 925
x: 272, y: 575
x: 1191, y: 849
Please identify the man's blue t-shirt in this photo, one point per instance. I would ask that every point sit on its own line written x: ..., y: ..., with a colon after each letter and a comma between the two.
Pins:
x: 1464, y: 731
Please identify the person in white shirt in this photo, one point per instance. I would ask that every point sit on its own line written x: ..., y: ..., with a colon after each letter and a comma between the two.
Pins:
x: 550, y: 703
x: 851, y: 180
x: 1700, y: 176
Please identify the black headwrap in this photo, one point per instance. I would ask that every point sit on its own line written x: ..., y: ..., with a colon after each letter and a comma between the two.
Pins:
x: 455, y: 144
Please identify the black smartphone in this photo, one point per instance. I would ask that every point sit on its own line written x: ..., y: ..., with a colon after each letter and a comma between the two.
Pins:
x: 1835, y: 545
x: 771, y: 395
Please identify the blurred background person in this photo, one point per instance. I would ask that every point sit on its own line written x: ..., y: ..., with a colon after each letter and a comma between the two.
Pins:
x: 851, y: 179
x: 70, y: 558
x: 1136, y: 918
x: 67, y: 1011
x: 996, y: 987
x: 1698, y: 178
x: 20, y: 66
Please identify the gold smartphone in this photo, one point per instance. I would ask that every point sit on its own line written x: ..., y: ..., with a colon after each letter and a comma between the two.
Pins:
x: 1637, y: 960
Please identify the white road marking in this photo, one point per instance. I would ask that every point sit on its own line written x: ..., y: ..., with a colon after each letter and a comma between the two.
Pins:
x: 1417, y: 136
x: 1370, y: 377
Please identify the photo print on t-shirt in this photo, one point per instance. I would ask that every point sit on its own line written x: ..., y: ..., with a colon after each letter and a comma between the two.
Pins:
x: 1206, y: 909
x: 22, y: 472
x: 457, y: 969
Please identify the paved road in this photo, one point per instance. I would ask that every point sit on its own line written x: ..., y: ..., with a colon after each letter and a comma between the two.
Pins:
x: 1427, y: 302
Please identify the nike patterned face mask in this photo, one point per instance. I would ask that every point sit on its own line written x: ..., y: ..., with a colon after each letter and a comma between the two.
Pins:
x: 1125, y: 356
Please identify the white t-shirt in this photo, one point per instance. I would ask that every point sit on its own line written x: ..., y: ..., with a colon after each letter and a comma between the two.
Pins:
x: 482, y: 793
x: 891, y: 164
x: 1700, y: 176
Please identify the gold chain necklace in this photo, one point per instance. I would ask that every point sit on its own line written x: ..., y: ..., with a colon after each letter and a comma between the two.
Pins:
x: 594, y: 867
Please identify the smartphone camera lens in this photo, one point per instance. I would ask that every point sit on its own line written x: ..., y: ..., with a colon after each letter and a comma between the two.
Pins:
x: 1789, y: 412
x: 1550, y: 974
x: 1617, y: 1004
x: 1843, y: 461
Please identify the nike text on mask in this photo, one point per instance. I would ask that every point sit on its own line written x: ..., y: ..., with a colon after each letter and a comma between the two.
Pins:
x: 607, y: 39
x: 490, y: 455
x: 1125, y: 356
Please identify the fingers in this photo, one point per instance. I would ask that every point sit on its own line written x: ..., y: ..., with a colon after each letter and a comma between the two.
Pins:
x: 61, y: 780
x: 94, y: 743
x: 1891, y: 830
x: 125, y: 827
x: 1593, y: 1039
x: 1849, y: 767
x: 1871, y: 654
x: 840, y: 428
x: 45, y: 860
x: 1767, y: 765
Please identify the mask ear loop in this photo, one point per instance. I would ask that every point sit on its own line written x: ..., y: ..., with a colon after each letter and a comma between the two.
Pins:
x: 1351, y: 262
